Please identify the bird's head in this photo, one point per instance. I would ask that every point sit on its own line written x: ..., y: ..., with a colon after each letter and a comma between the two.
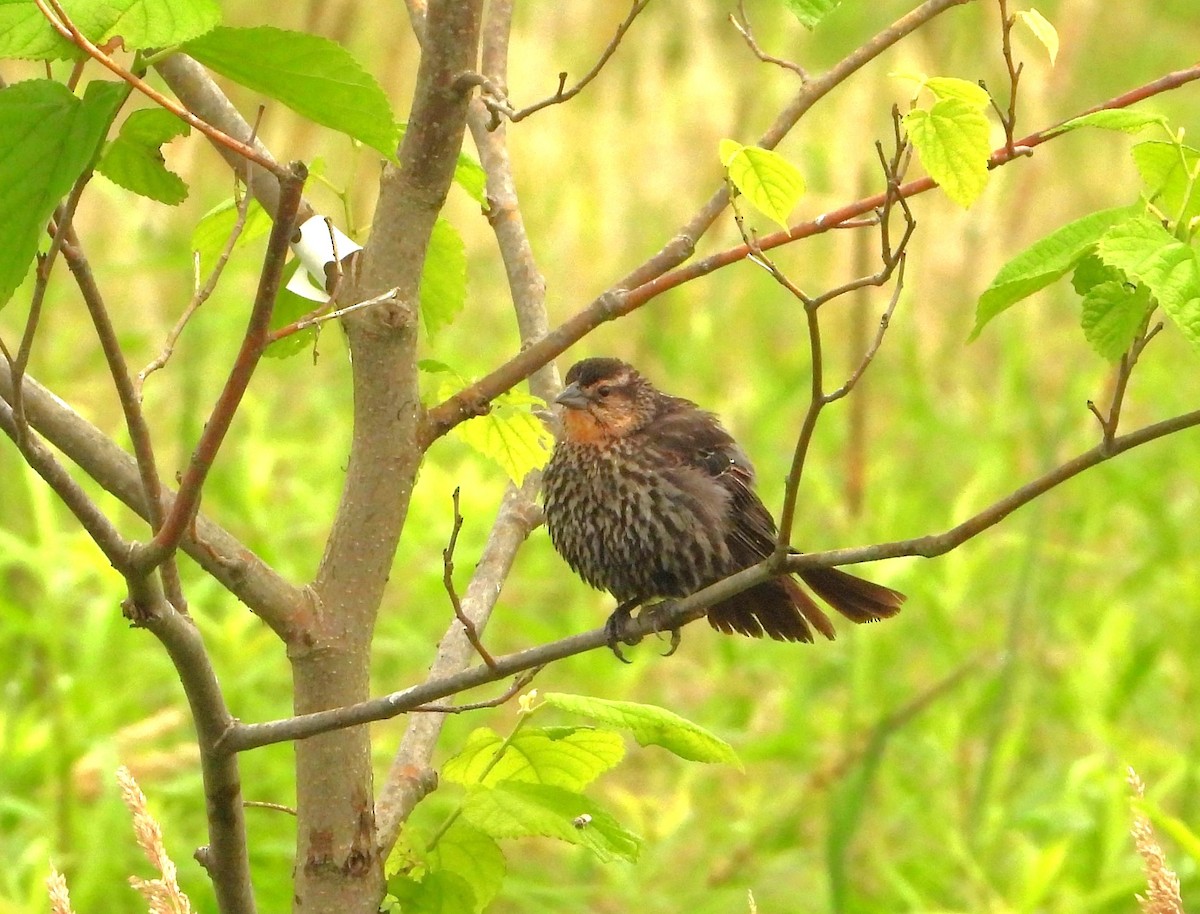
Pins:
x: 604, y: 399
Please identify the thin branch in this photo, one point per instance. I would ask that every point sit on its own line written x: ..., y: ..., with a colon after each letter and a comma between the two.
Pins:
x: 517, y: 685
x: 678, y: 613
x: 498, y: 104
x: 1110, y: 422
x: 282, y: 605
x: 624, y: 299
x: 200, y: 293
x: 187, y: 502
x: 321, y: 315
x: 61, y: 22
x: 468, y: 626
x: 1008, y: 118
x: 741, y: 22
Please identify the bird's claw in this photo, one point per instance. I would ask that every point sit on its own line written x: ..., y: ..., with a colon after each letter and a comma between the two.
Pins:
x: 616, y: 629
x: 656, y: 613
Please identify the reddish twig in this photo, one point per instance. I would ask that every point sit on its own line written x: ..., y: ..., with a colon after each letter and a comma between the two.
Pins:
x: 61, y: 22
x: 621, y: 300
x: 187, y: 501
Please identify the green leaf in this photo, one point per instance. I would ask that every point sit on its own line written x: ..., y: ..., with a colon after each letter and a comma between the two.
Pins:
x: 134, y: 159
x: 1042, y: 30
x: 1043, y: 262
x: 443, y: 278
x: 311, y: 75
x: 1124, y: 120
x: 290, y: 307
x: 811, y: 12
x: 437, y: 893
x: 509, y: 434
x: 650, y: 726
x: 771, y: 183
x: 48, y: 137
x: 515, y: 810
x: 470, y: 176
x: 1091, y: 271
x: 1170, y: 174
x: 951, y: 137
x: 211, y: 233
x: 473, y: 856
x: 565, y: 757
x: 1112, y: 314
x: 1146, y: 252
x: 25, y: 33
x: 963, y: 90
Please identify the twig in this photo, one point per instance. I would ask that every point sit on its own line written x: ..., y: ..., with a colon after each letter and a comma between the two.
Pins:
x: 1110, y: 422
x: 263, y: 804
x: 61, y: 22
x: 518, y: 684
x: 187, y: 502
x: 201, y: 293
x: 500, y: 107
x: 321, y: 315
x: 743, y: 28
x: 1008, y: 118
x: 448, y: 581
x: 624, y: 298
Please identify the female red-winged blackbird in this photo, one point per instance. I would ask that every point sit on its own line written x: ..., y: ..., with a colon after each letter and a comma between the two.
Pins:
x: 648, y: 496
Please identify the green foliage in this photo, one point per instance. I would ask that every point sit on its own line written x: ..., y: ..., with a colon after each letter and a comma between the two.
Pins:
x: 771, y: 183
x: 212, y: 232
x: 567, y: 757
x: 48, y: 137
x: 952, y: 139
x: 1125, y: 262
x: 443, y: 278
x: 312, y: 75
x: 650, y: 726
x: 1042, y: 30
x: 134, y: 159
x: 25, y: 32
x: 811, y: 12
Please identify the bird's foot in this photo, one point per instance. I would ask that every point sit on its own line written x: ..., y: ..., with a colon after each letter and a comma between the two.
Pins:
x: 617, y: 629
x: 656, y: 613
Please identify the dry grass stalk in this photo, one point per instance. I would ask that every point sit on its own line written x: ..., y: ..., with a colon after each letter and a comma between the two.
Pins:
x: 162, y: 895
x: 60, y: 898
x: 1162, y: 885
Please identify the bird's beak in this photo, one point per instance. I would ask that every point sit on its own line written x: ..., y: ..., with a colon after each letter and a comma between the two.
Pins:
x: 573, y: 397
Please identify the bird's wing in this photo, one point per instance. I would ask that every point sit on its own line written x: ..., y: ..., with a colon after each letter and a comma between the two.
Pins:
x: 697, y: 440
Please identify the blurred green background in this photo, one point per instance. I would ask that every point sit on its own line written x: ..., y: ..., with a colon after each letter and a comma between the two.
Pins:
x: 969, y: 755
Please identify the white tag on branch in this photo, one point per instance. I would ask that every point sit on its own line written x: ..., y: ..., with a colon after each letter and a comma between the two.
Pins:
x: 320, y: 243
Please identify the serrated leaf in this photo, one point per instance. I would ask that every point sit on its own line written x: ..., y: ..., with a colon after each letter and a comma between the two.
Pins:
x: 1171, y: 174
x: 951, y: 137
x: 771, y: 183
x: 811, y: 12
x: 1146, y: 252
x: 1042, y: 30
x: 211, y: 233
x: 313, y: 76
x: 1091, y: 271
x: 473, y: 856
x: 1043, y: 262
x: 950, y: 87
x: 1112, y: 314
x: 443, y: 278
x: 570, y: 758
x: 48, y: 137
x: 515, y: 810
x: 26, y: 34
x: 134, y: 160
x: 650, y: 726
x: 1124, y: 120
x: 436, y: 893
x: 510, y: 434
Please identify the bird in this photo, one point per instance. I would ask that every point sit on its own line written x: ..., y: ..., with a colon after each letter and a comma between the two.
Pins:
x: 648, y: 497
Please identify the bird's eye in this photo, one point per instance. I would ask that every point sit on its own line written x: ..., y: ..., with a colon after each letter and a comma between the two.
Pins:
x: 603, y: 390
